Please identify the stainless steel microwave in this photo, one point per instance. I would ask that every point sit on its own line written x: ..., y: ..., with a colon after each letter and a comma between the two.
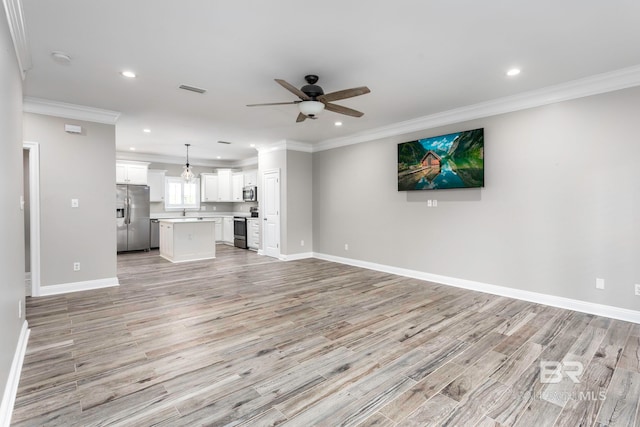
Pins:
x: 250, y: 193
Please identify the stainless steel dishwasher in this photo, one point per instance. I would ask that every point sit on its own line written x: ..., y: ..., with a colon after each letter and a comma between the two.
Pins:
x: 154, y: 234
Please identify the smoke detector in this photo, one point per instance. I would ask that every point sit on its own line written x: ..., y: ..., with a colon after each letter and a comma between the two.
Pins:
x: 61, y: 57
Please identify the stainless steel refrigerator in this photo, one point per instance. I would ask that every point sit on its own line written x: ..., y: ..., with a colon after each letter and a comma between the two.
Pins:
x: 132, y: 217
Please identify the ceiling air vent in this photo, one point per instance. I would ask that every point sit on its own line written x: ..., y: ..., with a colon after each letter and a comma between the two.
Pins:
x: 192, y: 88
x: 224, y: 142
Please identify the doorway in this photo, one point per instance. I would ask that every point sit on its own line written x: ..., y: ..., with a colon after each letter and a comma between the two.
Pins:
x: 31, y: 200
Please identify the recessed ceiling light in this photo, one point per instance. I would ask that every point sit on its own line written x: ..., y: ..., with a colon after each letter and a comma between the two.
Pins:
x: 132, y: 148
x: 338, y: 123
x: 513, y: 72
x: 252, y: 145
x: 146, y: 130
x: 218, y: 157
x: 129, y: 74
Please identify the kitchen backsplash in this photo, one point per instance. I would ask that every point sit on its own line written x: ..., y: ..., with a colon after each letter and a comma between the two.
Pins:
x: 240, y: 207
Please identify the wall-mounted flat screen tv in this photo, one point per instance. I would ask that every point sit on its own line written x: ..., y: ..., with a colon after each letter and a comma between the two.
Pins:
x: 455, y: 160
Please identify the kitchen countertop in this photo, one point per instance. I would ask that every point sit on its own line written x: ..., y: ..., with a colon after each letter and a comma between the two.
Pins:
x: 195, y: 214
x: 179, y: 220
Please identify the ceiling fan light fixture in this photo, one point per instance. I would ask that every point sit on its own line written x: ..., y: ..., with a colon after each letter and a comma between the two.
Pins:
x: 311, y: 108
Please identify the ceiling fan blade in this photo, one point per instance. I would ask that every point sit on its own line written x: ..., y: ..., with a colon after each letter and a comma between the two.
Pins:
x: 344, y: 94
x: 301, y: 118
x: 291, y: 88
x: 274, y: 103
x: 342, y: 110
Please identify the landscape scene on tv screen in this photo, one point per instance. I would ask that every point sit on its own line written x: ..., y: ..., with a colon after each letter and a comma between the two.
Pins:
x: 455, y: 160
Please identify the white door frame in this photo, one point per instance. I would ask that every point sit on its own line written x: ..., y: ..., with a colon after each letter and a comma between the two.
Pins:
x: 34, y: 213
x: 264, y: 213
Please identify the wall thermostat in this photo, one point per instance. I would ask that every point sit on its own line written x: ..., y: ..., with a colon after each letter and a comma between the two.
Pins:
x: 73, y: 128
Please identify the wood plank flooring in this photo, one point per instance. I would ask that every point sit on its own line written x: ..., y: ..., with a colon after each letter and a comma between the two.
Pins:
x: 245, y: 340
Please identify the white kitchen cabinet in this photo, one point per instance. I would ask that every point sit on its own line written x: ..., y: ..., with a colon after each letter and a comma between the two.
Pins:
x: 218, y: 229
x: 187, y: 239
x: 237, y: 185
x: 130, y: 172
x: 155, y: 181
x: 209, y: 188
x: 166, y: 239
x: 251, y: 177
x: 227, y: 229
x: 224, y: 185
x: 253, y: 233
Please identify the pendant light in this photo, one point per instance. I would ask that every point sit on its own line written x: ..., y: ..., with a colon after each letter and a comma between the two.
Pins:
x: 187, y: 173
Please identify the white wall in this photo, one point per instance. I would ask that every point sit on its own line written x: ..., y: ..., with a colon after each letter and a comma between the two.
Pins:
x: 80, y: 166
x: 561, y: 204
x: 11, y: 221
x: 299, y: 202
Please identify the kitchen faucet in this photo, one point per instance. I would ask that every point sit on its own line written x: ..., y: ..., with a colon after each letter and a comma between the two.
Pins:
x: 184, y: 212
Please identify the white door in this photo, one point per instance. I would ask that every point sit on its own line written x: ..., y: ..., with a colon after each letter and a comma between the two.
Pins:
x: 270, y: 204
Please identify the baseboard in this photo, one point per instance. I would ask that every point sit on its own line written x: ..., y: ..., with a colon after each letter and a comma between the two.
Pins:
x: 11, y: 389
x: 295, y: 257
x: 65, y: 288
x: 550, y: 300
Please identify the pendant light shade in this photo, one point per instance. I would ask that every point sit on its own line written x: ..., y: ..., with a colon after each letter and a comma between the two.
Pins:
x: 187, y: 173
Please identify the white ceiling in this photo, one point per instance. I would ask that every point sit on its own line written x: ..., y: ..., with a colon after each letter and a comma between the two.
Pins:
x: 418, y: 58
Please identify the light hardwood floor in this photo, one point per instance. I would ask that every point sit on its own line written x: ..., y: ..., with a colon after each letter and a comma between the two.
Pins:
x: 246, y: 340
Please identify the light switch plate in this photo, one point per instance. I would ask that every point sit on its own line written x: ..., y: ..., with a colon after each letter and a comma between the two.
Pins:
x: 75, y: 203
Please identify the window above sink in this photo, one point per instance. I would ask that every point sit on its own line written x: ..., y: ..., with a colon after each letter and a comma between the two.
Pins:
x: 181, y: 195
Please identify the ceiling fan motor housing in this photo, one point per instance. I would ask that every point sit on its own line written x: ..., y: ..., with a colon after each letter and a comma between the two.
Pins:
x: 311, y: 89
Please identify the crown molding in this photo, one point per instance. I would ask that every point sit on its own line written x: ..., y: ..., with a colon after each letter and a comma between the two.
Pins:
x: 172, y: 160
x: 69, y: 111
x: 252, y: 161
x: 17, y: 28
x: 286, y: 145
x: 593, y: 85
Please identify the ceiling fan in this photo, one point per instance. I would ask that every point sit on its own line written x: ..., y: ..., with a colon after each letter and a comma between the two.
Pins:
x: 313, y: 99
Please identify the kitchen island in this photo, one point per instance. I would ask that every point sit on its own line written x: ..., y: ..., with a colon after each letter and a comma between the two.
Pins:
x: 187, y: 239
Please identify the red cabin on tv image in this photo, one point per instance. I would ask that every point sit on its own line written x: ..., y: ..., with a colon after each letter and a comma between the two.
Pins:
x: 430, y: 159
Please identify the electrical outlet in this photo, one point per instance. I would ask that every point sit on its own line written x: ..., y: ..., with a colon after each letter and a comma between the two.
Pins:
x: 75, y: 203
x: 599, y: 283
x: 637, y: 289
x: 435, y: 203
x: 76, y: 266
x: 429, y: 203
x: 346, y: 246
x: 301, y: 242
